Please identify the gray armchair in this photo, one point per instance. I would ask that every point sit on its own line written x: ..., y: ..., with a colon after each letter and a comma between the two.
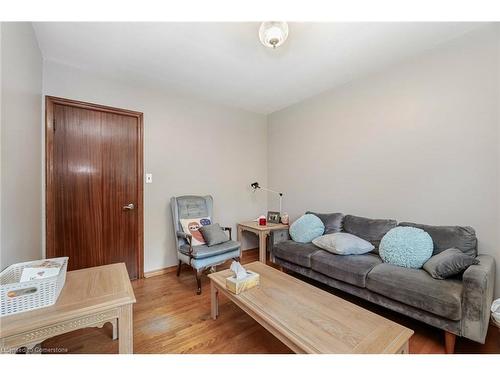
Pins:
x: 199, y: 257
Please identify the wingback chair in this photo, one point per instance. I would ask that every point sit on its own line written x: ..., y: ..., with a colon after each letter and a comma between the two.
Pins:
x: 199, y: 257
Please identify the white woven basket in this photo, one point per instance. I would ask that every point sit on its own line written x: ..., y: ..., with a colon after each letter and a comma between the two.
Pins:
x: 16, y: 297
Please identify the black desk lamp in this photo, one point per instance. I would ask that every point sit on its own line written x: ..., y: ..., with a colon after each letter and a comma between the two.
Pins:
x: 255, y: 186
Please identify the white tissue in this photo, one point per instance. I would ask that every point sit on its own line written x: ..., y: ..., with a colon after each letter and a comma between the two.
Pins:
x: 239, y: 272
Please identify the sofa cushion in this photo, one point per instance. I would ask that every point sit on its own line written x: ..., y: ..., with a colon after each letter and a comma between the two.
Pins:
x: 333, y: 222
x: 418, y: 289
x: 371, y: 230
x: 295, y: 252
x: 204, y: 251
x: 351, y: 269
x: 448, y: 236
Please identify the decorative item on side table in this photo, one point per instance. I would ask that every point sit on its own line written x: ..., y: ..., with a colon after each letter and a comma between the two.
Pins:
x: 273, y: 217
x: 285, y: 219
x: 262, y: 221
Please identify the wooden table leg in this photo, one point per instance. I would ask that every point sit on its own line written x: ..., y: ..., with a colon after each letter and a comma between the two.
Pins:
x: 262, y: 247
x: 125, y: 330
x: 405, y: 349
x: 214, y: 297
x: 114, y: 323
x: 239, y: 233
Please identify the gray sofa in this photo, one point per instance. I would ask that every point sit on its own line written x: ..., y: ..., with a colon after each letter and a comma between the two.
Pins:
x: 460, y: 305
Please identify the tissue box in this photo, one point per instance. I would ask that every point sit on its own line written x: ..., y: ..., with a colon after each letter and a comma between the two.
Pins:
x: 238, y: 286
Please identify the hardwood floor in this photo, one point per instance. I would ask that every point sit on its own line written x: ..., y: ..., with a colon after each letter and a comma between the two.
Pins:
x: 170, y: 318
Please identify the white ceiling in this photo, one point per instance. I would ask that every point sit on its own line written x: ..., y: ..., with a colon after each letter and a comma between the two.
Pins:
x: 225, y: 62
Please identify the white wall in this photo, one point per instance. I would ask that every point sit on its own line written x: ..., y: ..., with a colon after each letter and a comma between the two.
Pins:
x: 416, y: 142
x: 190, y: 147
x: 21, y: 77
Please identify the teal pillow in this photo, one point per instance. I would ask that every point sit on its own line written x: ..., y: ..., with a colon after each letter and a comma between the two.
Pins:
x: 406, y: 247
x: 306, y: 228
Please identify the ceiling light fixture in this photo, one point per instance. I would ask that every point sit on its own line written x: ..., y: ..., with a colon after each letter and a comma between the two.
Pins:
x: 273, y: 34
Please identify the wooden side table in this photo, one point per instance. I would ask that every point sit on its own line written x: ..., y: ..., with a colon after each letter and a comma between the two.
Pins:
x: 90, y: 297
x: 262, y: 231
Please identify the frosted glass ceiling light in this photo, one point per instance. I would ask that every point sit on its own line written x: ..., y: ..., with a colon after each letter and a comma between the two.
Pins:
x: 273, y: 34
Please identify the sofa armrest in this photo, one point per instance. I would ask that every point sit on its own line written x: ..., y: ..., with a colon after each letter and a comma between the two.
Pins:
x: 275, y: 237
x: 478, y: 284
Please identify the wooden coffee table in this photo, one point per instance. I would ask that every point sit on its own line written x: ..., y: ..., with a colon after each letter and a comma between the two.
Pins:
x: 308, y: 319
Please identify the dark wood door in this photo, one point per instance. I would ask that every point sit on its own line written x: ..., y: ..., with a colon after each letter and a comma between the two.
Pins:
x: 94, y: 185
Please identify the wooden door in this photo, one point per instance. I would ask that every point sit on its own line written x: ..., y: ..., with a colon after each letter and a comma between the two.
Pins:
x: 94, y: 185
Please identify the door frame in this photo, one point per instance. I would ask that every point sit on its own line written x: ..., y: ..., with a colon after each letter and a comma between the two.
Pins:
x: 50, y: 102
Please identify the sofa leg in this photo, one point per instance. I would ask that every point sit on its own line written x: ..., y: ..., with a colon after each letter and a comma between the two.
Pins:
x: 198, y: 281
x: 449, y: 342
x: 179, y: 268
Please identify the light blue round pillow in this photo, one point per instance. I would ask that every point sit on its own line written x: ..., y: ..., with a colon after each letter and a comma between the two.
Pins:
x: 406, y: 247
x: 306, y: 228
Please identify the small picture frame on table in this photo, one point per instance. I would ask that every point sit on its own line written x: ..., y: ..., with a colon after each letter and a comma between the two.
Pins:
x: 273, y: 217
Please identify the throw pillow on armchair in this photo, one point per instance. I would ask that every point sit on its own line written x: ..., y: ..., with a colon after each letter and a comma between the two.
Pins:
x: 192, y: 227
x: 213, y: 234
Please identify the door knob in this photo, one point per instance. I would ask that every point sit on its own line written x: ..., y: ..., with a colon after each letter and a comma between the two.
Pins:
x: 129, y: 206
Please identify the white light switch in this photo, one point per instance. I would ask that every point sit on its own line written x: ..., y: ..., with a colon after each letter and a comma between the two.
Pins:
x: 149, y: 178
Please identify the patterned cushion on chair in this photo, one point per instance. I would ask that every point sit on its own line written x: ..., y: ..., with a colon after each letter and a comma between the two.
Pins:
x: 192, y: 226
x: 204, y: 251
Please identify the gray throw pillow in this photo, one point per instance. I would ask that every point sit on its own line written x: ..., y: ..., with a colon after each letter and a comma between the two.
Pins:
x: 333, y: 222
x: 213, y: 234
x: 343, y: 244
x: 448, y: 263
